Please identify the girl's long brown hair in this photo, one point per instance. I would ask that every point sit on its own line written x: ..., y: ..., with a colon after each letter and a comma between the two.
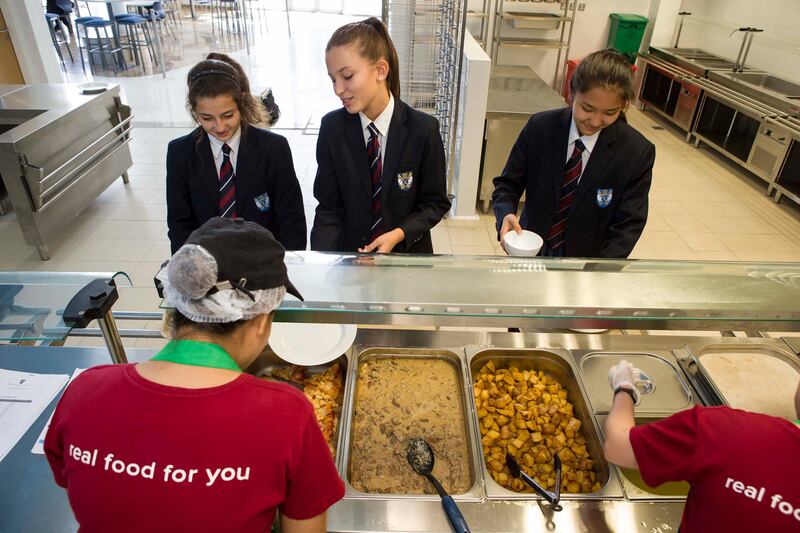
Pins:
x: 219, y: 74
x: 372, y: 38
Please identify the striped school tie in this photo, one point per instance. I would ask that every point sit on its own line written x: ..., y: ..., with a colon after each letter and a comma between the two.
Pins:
x: 375, y: 168
x: 227, y: 189
x: 569, y: 186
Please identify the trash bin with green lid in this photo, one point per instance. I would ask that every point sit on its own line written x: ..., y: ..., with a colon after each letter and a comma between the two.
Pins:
x: 626, y: 33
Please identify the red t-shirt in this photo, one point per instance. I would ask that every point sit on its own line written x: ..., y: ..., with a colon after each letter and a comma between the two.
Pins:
x: 743, y: 468
x: 138, y: 456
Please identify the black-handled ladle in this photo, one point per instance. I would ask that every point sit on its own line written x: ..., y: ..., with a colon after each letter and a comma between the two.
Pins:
x: 552, y: 497
x: 420, y: 456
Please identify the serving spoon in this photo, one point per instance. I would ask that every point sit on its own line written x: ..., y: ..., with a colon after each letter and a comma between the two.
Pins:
x: 420, y: 456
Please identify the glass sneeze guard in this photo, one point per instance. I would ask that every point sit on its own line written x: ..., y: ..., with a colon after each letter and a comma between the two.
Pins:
x: 490, y: 290
x: 32, y: 303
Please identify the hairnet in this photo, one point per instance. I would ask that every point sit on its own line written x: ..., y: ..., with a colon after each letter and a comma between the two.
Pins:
x: 190, y: 286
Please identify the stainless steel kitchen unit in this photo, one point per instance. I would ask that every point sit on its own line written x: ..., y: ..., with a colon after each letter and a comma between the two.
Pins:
x: 667, y: 82
x: 59, y: 149
x: 750, y: 117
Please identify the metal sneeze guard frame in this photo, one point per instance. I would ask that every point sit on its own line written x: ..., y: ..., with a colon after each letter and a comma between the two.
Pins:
x: 553, y: 293
x: 32, y: 303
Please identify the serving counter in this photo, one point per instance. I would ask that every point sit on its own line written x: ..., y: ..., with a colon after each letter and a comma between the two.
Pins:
x: 386, y: 293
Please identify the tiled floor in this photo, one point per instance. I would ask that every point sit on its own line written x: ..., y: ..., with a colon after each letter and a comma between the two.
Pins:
x: 702, y: 207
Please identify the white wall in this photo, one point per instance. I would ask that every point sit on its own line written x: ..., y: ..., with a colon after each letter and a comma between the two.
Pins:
x: 32, y: 43
x: 777, y: 50
x: 589, y: 34
x: 466, y: 163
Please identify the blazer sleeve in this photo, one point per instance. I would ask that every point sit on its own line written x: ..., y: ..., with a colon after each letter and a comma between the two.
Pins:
x: 329, y: 216
x: 181, y: 220
x: 290, y: 217
x: 511, y: 183
x: 631, y: 214
x: 431, y: 202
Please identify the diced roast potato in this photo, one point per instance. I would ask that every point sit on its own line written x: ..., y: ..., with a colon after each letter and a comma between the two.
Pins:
x: 526, y: 414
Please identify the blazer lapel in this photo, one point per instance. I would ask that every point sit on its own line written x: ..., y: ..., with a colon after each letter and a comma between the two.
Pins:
x: 358, y: 147
x: 246, y: 164
x: 561, y: 136
x: 209, y: 175
x: 598, y: 160
x: 394, y: 147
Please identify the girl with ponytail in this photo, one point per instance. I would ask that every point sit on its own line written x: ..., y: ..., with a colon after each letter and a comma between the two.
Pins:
x: 381, y: 172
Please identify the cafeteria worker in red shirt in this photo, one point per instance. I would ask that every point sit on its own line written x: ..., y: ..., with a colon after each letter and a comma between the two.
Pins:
x: 743, y: 468
x: 187, y: 441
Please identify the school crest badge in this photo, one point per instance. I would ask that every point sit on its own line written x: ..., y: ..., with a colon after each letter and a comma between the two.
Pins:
x: 405, y: 180
x: 262, y: 202
x: 604, y: 197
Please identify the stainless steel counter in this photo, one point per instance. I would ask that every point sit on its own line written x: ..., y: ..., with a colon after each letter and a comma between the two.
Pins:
x: 605, y: 514
x: 515, y: 93
x: 30, y: 500
x: 59, y: 149
x: 519, y: 91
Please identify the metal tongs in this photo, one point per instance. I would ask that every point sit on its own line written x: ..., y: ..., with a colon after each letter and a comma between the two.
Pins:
x: 551, y: 497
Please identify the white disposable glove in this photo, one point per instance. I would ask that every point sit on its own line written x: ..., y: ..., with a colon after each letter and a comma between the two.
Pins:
x: 624, y: 374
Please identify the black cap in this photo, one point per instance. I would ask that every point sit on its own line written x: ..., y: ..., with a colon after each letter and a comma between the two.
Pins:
x: 245, y: 251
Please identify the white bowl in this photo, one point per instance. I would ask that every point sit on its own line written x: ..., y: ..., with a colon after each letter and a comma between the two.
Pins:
x: 525, y: 244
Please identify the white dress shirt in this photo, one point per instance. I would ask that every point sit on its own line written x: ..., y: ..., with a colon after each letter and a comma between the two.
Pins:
x: 216, y: 149
x: 588, y: 141
x: 382, y: 124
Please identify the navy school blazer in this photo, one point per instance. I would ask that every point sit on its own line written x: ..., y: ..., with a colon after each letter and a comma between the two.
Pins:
x: 267, y: 190
x: 610, y: 207
x: 343, y: 186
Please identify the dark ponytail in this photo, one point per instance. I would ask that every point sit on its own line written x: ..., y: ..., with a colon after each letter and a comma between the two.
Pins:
x: 182, y: 326
x: 217, y: 75
x: 608, y: 69
x: 374, y: 42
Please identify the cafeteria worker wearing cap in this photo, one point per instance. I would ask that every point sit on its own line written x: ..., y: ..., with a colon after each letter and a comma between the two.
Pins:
x: 187, y: 441
x: 742, y: 467
x: 585, y: 171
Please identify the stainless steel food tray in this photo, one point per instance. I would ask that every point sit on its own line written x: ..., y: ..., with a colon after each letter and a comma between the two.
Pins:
x: 455, y: 357
x: 692, y: 360
x: 558, y: 364
x: 268, y: 361
x: 667, y: 391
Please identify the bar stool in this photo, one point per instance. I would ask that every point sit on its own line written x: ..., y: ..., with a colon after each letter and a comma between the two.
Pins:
x: 105, y: 44
x: 132, y: 25
x: 161, y: 17
x: 51, y: 18
x: 224, y: 7
x: 79, y: 23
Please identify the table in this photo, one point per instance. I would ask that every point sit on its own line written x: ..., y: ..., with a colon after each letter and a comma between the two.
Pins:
x: 30, y: 500
x: 115, y: 30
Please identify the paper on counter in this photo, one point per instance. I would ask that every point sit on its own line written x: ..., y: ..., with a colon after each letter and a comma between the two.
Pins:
x: 39, y: 446
x: 23, y: 398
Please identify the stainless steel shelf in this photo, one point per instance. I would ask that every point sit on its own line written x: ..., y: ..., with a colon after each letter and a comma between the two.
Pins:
x: 531, y: 43
x: 524, y: 16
